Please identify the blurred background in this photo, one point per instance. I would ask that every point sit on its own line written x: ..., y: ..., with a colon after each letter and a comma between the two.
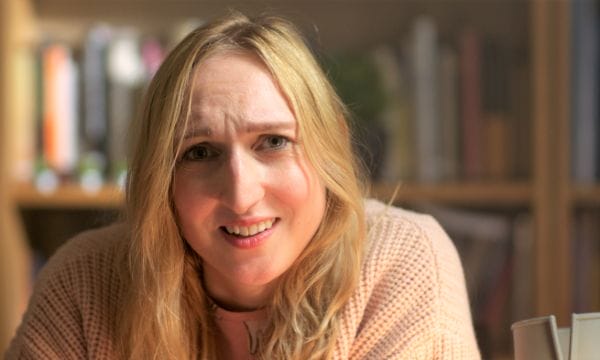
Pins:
x: 484, y: 112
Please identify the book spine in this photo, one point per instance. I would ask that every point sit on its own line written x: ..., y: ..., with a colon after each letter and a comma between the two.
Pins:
x: 25, y: 129
x: 585, y: 74
x: 495, y: 107
x: 470, y: 72
x: 449, y: 114
x: 397, y: 163
x: 427, y: 124
x: 125, y: 71
x: 60, y: 109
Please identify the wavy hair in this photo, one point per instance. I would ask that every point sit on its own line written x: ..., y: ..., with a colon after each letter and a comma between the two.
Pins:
x: 166, y: 313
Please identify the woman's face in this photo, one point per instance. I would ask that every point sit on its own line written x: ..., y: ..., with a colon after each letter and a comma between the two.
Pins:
x: 247, y: 199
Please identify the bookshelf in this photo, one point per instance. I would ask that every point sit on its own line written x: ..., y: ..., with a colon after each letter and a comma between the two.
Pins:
x: 68, y: 196
x: 585, y: 195
x: 111, y: 197
x: 547, y: 194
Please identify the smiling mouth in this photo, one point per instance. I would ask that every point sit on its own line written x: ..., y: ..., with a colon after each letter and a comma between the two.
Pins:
x: 247, y: 231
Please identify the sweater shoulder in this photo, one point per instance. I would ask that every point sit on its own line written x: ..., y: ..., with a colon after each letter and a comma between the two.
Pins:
x: 411, y: 290
x: 93, y: 242
x: 85, y: 262
x: 73, y: 308
x: 105, y: 243
x: 90, y: 260
x: 410, y: 245
x: 395, y: 229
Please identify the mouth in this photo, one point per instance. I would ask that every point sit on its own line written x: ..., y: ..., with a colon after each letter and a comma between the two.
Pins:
x: 249, y: 231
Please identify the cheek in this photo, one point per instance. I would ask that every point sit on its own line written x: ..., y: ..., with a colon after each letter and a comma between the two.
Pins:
x: 300, y: 189
x: 191, y: 204
x: 293, y: 183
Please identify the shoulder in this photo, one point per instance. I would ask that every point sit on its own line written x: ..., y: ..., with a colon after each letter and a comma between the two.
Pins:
x: 411, y: 294
x: 412, y: 250
x: 96, y: 242
x: 75, y: 296
x: 95, y: 250
x: 403, y: 234
x: 87, y: 264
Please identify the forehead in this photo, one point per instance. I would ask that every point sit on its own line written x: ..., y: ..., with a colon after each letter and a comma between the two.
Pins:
x: 231, y: 71
x: 234, y: 86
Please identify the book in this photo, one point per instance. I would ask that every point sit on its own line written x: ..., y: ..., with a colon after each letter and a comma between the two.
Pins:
x: 398, y: 163
x: 60, y: 109
x: 153, y: 54
x: 470, y: 94
x: 585, y: 94
x: 94, y: 134
x: 125, y: 71
x: 449, y: 114
x: 585, y: 262
x: 427, y: 125
x: 523, y: 267
x: 24, y: 129
x: 521, y: 149
x: 495, y: 110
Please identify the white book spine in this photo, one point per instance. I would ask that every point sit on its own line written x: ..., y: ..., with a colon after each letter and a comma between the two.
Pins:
x: 425, y: 65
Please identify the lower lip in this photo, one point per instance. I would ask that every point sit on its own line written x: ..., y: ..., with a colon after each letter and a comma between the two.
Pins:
x: 249, y: 242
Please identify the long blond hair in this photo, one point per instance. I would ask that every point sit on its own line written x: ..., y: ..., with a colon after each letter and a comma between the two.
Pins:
x: 166, y: 312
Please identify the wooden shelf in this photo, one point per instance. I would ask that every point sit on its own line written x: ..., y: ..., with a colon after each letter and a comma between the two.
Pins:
x: 586, y: 195
x: 68, y: 196
x: 497, y: 195
x: 464, y: 194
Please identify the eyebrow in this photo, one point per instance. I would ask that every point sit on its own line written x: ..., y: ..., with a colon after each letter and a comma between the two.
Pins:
x: 249, y: 128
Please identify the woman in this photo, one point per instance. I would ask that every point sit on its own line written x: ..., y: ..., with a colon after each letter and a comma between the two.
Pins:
x: 246, y: 233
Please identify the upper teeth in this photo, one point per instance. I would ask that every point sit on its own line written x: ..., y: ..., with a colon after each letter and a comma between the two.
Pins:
x: 250, y: 230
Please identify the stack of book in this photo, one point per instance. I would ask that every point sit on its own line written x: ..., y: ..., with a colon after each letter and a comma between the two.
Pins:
x: 452, y: 110
x: 85, y: 98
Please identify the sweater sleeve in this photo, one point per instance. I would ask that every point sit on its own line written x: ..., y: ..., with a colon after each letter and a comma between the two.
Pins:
x: 415, y: 300
x: 52, y: 326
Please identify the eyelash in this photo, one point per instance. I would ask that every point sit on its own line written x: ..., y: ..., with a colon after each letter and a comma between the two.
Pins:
x: 211, y: 152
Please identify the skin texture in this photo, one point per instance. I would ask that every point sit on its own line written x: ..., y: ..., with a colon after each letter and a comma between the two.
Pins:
x: 242, y: 164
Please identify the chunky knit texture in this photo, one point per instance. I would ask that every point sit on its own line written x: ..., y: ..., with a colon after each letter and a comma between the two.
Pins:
x: 411, y: 302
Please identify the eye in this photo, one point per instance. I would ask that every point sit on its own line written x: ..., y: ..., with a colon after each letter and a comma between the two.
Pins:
x: 273, y: 142
x: 199, y: 153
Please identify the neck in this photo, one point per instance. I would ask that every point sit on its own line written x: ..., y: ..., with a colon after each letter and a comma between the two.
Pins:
x: 235, y: 297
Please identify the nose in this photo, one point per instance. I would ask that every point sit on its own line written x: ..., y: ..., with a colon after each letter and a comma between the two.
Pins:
x: 243, y: 185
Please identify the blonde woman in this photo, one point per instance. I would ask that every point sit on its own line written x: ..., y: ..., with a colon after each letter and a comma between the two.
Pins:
x: 246, y: 233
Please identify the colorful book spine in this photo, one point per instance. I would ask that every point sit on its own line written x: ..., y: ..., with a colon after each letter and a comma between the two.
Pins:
x: 60, y: 109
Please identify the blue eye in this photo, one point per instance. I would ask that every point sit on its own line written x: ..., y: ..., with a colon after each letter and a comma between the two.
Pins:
x: 274, y: 142
x: 199, y: 153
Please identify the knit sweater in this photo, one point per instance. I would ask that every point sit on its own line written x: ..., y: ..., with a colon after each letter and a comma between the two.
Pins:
x: 410, y: 303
